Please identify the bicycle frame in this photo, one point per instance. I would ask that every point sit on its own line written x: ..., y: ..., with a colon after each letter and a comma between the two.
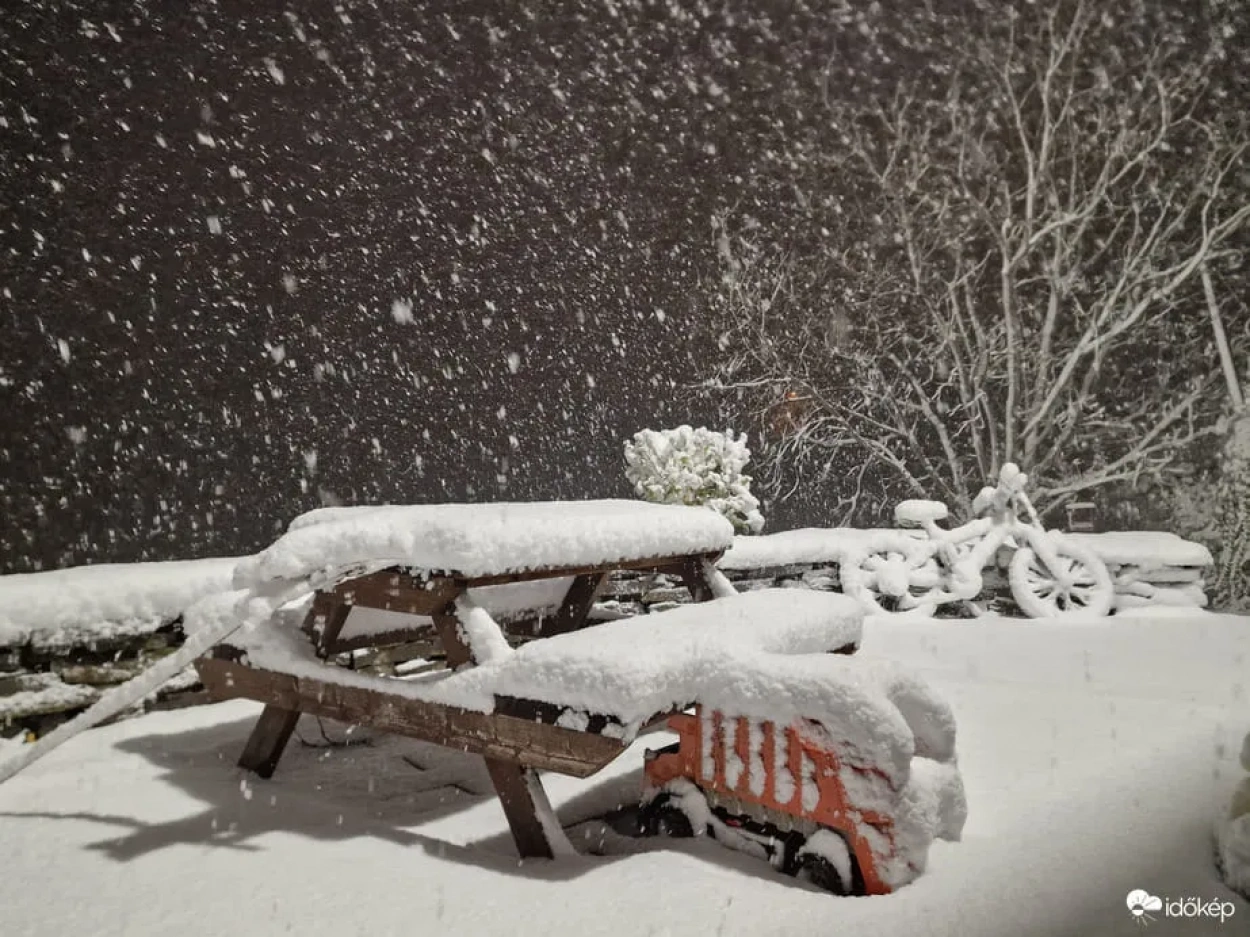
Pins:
x: 963, y: 578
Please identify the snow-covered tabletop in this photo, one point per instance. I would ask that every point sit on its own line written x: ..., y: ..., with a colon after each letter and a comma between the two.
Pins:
x: 480, y: 540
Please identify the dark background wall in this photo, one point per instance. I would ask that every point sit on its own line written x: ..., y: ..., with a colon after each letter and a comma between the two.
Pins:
x: 252, y: 259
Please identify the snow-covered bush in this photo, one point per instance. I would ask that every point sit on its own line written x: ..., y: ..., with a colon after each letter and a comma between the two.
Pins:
x: 696, y: 467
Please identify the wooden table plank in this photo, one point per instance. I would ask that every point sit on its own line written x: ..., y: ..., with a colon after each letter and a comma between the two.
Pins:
x: 576, y: 606
x: 520, y: 741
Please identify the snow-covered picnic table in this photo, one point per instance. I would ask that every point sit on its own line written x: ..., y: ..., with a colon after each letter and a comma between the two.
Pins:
x: 570, y: 702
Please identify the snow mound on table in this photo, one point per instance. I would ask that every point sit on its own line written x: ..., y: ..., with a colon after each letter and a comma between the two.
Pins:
x: 1147, y: 548
x: 483, y: 539
x: 324, y: 515
x: 645, y: 665
x: 807, y: 545
x: 633, y: 669
x: 68, y: 606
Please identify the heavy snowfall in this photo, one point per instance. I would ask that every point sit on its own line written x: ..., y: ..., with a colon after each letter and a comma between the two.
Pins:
x: 625, y: 467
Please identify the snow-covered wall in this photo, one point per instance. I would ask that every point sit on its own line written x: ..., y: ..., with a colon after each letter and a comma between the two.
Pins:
x: 66, y: 635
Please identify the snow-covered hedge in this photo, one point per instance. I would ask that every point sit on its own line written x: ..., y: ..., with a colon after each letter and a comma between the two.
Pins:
x: 695, y: 467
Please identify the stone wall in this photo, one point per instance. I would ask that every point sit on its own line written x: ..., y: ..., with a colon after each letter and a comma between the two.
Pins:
x: 43, y: 682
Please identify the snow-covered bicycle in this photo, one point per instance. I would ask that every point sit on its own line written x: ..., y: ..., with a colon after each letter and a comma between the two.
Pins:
x: 914, y: 572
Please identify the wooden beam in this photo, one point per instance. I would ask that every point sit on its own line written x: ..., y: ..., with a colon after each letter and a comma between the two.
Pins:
x: 393, y: 590
x: 448, y: 624
x: 269, y: 737
x: 388, y: 590
x: 326, y: 617
x: 551, y: 713
x: 576, y: 605
x: 529, y: 743
x: 515, y: 785
x: 421, y: 634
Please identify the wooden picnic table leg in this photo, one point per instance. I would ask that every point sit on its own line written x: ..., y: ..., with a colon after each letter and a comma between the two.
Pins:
x: 269, y: 737
x: 273, y: 729
x: 514, y: 784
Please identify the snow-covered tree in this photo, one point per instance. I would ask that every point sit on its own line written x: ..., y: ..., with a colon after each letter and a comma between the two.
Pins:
x: 1009, y: 264
x: 695, y: 467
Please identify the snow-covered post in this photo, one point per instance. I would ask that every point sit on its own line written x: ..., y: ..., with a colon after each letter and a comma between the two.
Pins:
x: 695, y: 467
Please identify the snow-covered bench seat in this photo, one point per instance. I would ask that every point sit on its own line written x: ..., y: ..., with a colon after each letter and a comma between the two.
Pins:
x: 628, y: 672
x: 619, y: 676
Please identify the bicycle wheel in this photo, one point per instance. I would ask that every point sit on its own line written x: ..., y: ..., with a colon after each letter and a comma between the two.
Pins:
x: 1080, y: 586
x: 895, y: 574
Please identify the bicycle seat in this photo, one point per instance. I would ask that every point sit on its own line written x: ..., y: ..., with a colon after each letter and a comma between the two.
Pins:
x: 917, y: 513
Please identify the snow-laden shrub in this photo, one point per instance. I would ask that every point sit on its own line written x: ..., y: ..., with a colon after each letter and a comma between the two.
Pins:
x: 695, y: 467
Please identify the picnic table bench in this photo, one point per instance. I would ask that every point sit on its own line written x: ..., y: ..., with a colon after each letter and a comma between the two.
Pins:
x: 568, y: 700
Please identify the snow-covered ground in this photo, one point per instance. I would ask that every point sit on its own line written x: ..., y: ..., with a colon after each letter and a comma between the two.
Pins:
x: 1095, y: 757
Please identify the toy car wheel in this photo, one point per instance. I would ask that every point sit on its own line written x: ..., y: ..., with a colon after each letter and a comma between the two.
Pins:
x: 826, y: 860
x: 791, y: 848
x: 820, y: 872
x: 662, y: 817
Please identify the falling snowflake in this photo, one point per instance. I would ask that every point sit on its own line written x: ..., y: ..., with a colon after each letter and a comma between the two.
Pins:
x: 401, y: 311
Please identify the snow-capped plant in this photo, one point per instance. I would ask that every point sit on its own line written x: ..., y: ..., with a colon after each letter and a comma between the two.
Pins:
x: 695, y: 467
